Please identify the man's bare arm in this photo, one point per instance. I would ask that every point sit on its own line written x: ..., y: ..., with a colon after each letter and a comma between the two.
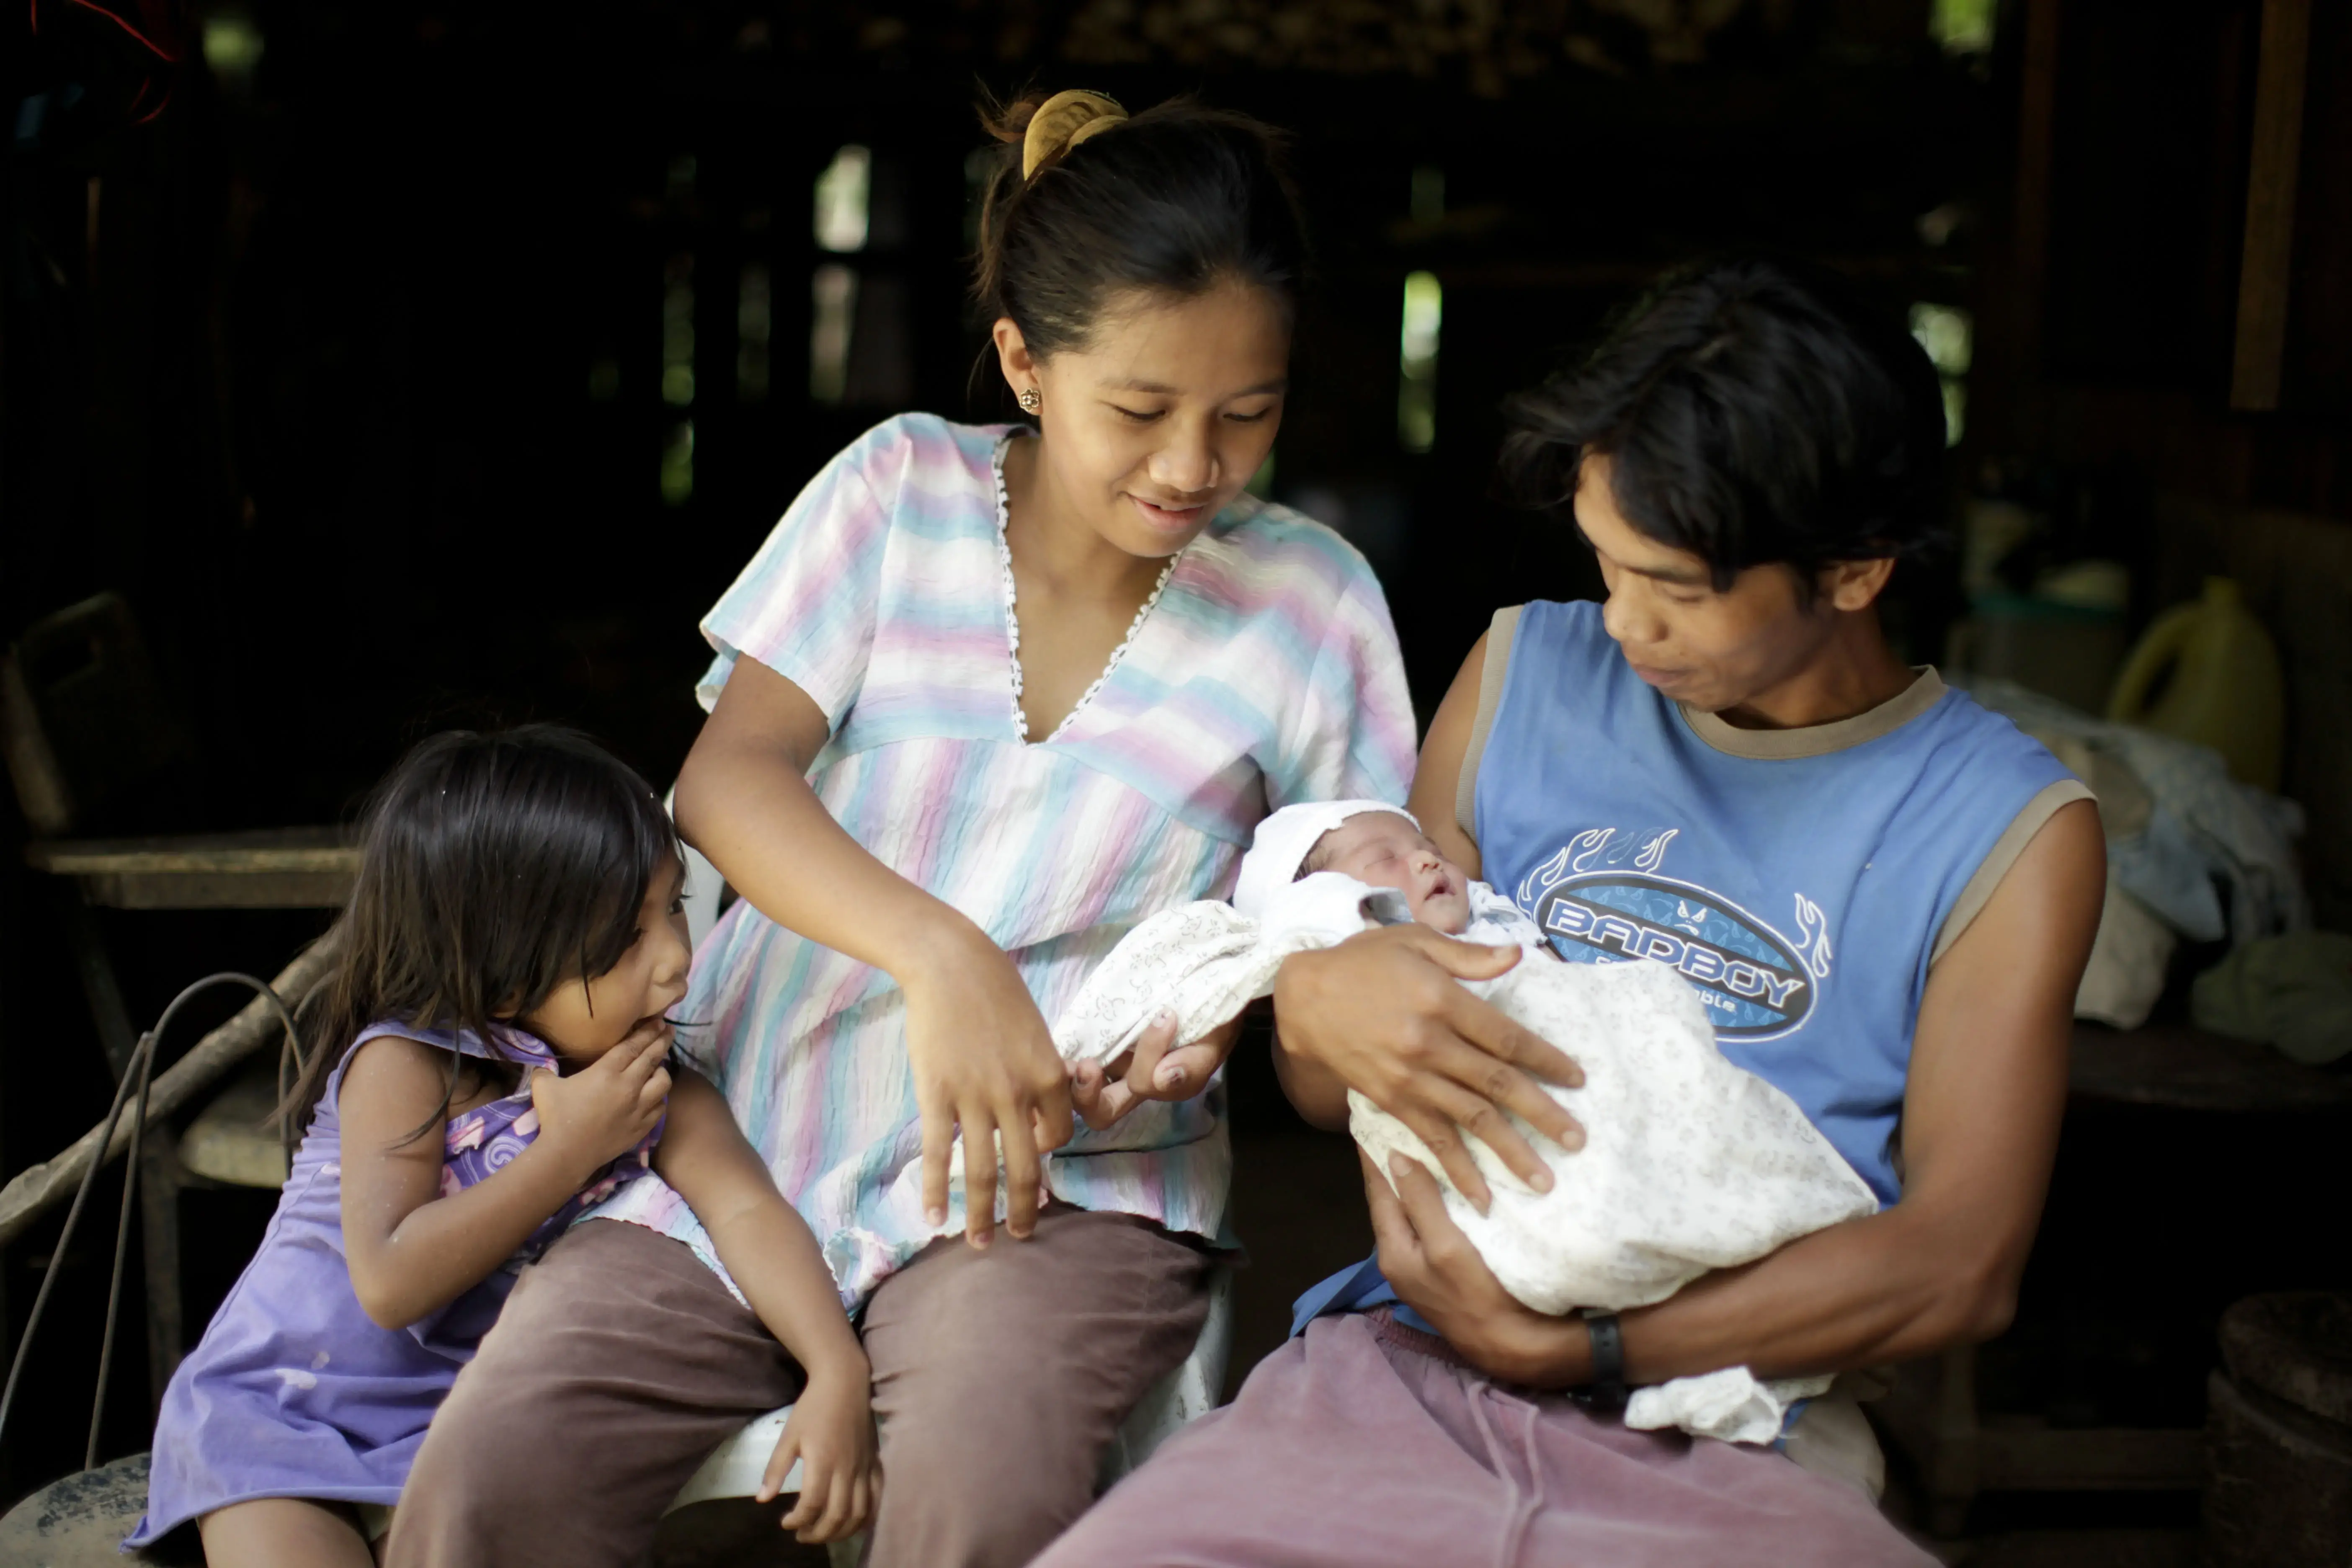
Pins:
x: 1986, y: 1087
x: 1444, y: 752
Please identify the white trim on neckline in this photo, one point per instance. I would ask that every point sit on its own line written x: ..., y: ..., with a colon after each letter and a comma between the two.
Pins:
x: 1013, y: 613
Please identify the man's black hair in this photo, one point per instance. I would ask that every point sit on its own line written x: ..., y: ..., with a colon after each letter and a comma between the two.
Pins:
x: 1753, y: 410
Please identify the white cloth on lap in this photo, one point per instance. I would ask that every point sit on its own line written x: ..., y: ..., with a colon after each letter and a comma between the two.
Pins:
x: 1204, y: 962
x: 1690, y: 1163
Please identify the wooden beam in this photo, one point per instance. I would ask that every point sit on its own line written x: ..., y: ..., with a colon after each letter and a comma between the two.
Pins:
x: 278, y: 868
x: 2268, y: 262
x: 2037, y: 132
x: 270, y: 851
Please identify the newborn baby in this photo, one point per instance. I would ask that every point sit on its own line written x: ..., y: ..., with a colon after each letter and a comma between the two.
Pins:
x: 1689, y: 1164
x: 1381, y: 846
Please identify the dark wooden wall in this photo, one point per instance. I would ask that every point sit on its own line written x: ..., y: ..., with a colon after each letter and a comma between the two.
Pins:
x: 2109, y: 305
x: 346, y: 367
x: 2123, y: 307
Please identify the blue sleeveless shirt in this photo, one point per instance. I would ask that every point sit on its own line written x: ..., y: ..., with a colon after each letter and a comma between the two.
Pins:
x: 1798, y: 879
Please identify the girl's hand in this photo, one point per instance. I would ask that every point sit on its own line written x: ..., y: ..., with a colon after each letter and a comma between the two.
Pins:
x: 607, y: 1108
x: 1382, y: 1012
x: 1156, y: 1068
x: 984, y: 1063
x: 831, y: 1432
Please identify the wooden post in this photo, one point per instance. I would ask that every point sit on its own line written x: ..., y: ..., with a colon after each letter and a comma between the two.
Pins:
x: 2269, y: 258
x: 1955, y: 1467
x: 2037, y: 135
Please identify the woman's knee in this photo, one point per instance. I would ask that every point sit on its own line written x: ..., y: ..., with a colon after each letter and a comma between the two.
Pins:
x: 969, y: 1498
x: 483, y: 1442
x: 997, y: 1448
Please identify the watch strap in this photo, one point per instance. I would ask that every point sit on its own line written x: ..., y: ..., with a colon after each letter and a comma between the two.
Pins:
x: 1606, y: 1390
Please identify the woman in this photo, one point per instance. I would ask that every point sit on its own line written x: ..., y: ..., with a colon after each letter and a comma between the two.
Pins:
x: 984, y: 700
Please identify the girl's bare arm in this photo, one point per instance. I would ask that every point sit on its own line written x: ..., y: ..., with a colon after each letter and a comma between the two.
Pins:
x: 761, y: 1239
x: 411, y: 1250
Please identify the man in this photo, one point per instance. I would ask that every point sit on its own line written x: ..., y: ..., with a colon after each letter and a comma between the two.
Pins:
x: 1883, y: 894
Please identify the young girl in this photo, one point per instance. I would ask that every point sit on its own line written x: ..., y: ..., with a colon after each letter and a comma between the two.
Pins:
x: 488, y: 1061
x: 987, y: 697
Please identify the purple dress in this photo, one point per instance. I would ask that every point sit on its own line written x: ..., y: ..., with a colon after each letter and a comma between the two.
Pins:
x: 294, y: 1392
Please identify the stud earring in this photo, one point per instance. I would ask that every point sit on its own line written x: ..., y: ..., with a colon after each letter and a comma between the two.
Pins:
x: 1030, y: 400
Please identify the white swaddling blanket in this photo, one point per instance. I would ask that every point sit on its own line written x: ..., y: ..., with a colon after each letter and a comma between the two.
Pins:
x: 1690, y: 1163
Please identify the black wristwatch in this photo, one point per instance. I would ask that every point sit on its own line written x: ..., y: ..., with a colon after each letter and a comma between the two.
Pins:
x: 1606, y: 1390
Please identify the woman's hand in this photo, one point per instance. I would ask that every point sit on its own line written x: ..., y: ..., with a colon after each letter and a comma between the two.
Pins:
x: 1384, y: 1015
x: 831, y: 1432
x: 607, y: 1108
x: 1438, y: 1273
x: 1155, y: 1069
x: 984, y: 1064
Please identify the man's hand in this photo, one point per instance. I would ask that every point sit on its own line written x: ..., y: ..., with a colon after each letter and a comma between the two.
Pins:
x: 1384, y: 1013
x: 1439, y: 1274
x: 1156, y: 1068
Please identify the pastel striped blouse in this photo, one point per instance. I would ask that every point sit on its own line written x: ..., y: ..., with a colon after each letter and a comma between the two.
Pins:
x: 1264, y: 672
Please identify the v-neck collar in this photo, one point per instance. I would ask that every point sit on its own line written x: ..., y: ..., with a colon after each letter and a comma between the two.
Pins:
x: 1013, y: 613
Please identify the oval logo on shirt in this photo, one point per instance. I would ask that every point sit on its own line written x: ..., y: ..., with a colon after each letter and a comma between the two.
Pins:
x: 1751, y: 979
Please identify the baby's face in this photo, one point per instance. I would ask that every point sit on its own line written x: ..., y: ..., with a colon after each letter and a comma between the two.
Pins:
x: 1385, y: 850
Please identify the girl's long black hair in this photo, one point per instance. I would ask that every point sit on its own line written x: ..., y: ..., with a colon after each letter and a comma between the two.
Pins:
x: 493, y: 869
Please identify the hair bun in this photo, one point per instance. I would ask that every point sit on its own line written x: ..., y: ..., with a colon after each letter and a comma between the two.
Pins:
x: 1064, y: 121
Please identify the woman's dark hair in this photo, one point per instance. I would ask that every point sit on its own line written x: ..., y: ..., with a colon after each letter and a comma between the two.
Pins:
x: 1752, y: 411
x: 1176, y: 199
x: 493, y: 869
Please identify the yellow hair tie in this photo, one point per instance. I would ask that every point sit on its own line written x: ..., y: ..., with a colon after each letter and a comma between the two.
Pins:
x: 1064, y: 121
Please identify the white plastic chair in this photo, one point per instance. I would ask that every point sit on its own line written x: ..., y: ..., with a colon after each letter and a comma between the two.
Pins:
x: 704, y: 891
x: 734, y: 1468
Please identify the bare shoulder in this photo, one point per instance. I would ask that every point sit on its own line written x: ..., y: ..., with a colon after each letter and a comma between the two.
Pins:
x: 762, y: 708
x: 2045, y: 910
x: 395, y: 1081
x: 390, y: 1063
x: 698, y: 1119
x: 694, y: 1095
x: 1986, y: 1084
x: 2000, y: 1006
x: 1443, y: 751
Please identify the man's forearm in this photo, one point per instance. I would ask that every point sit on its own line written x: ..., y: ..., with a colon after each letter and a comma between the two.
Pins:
x: 1890, y: 1287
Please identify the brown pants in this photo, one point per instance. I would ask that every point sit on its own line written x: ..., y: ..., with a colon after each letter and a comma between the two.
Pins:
x: 620, y: 1363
